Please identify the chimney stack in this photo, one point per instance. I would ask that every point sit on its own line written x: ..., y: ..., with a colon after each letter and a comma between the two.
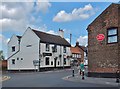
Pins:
x: 61, y: 33
x: 77, y: 43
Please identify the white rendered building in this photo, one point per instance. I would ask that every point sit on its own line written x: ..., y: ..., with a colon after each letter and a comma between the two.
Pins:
x: 49, y: 51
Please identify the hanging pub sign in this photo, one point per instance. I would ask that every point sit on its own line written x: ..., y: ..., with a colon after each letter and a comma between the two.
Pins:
x: 100, y: 37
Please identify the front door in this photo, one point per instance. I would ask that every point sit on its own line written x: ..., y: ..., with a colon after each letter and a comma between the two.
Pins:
x: 55, y: 60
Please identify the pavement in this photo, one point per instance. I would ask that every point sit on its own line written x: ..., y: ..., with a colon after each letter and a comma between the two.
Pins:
x: 92, y: 80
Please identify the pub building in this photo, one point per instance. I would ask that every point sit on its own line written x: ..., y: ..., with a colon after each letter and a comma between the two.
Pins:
x: 37, y: 50
x: 104, y: 43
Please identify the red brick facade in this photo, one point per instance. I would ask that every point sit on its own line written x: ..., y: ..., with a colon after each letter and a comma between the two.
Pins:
x: 104, y: 57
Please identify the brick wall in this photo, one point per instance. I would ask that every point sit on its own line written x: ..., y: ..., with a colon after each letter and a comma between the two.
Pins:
x: 104, y: 58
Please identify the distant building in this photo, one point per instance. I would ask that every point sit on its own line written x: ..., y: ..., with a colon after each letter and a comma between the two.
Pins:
x: 24, y: 52
x: 104, y: 56
x: 77, y: 53
x: 3, y: 64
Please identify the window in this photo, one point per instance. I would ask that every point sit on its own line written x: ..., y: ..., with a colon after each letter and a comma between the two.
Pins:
x: 13, y: 61
x: 13, y: 48
x: 64, y: 61
x: 55, y: 48
x: 64, y: 49
x: 51, y: 62
x: 112, y: 35
x: 79, y: 55
x: 72, y: 55
x: 47, y: 47
x: 58, y: 63
x: 18, y: 58
x: 47, y: 61
x: 21, y: 58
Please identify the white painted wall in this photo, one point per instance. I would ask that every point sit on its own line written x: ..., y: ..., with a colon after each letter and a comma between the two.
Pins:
x: 55, y: 54
x: 27, y: 53
x: 13, y: 42
x: 32, y: 53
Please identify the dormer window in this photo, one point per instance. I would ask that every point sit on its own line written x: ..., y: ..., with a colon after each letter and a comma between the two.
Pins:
x: 13, y: 48
x: 112, y: 35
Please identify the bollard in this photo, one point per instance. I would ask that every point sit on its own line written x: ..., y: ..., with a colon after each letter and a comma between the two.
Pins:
x: 117, y: 76
x: 117, y: 80
x: 83, y: 75
x: 73, y: 72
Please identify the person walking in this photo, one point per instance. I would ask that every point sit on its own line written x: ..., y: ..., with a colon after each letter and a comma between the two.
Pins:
x: 82, y: 69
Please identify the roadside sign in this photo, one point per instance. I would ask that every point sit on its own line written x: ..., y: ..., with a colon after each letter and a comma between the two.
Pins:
x: 100, y: 37
x: 36, y: 62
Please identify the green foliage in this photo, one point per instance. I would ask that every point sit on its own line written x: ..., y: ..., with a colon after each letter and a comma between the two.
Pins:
x: 2, y: 55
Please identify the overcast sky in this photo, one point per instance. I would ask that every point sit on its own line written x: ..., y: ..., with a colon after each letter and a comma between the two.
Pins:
x: 72, y: 17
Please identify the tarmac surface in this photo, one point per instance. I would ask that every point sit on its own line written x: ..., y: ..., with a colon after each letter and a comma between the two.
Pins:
x: 56, y: 78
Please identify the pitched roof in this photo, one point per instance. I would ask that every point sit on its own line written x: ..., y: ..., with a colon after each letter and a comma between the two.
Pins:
x: 75, y: 50
x: 83, y: 48
x: 52, y: 39
x: 98, y: 18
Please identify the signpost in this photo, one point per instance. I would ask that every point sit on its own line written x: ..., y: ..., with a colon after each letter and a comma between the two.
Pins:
x: 36, y: 63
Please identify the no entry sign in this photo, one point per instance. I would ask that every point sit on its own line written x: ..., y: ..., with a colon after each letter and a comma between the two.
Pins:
x: 100, y: 37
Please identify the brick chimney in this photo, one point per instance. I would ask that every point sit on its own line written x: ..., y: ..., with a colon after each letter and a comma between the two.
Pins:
x: 61, y: 33
x: 77, y: 43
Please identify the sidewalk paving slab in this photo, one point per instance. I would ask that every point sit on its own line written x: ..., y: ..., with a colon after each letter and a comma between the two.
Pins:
x: 93, y: 80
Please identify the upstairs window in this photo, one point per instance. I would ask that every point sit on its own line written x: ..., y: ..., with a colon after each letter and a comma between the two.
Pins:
x: 47, y: 47
x: 64, y: 49
x: 13, y: 48
x: 112, y: 35
x: 13, y: 61
x: 55, y: 48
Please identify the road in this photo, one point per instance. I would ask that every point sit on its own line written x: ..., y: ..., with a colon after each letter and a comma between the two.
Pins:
x: 45, y: 79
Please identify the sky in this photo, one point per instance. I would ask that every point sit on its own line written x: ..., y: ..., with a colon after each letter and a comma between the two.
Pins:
x: 72, y: 17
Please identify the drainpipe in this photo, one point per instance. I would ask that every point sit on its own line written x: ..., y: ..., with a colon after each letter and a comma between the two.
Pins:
x: 60, y: 56
x: 39, y: 57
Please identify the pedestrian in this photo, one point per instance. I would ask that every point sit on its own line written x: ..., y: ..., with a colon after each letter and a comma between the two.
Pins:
x: 82, y: 69
x: 117, y: 76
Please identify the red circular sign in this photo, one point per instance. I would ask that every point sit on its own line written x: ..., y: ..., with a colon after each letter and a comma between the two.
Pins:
x: 100, y: 37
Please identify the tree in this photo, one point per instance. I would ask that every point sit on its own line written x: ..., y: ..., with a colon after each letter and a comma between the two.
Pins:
x: 1, y: 55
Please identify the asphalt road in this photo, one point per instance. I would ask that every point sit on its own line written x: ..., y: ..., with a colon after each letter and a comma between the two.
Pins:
x: 45, y: 79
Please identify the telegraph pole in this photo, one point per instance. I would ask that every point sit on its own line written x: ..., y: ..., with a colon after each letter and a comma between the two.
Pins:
x: 39, y: 57
x: 70, y: 38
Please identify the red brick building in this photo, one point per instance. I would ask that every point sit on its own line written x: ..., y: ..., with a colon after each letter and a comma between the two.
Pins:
x: 104, y: 56
x: 3, y: 64
x: 77, y: 52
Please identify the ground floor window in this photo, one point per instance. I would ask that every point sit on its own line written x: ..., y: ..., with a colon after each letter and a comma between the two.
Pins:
x: 47, y: 60
x: 58, y: 62
x: 64, y: 61
x: 51, y: 62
